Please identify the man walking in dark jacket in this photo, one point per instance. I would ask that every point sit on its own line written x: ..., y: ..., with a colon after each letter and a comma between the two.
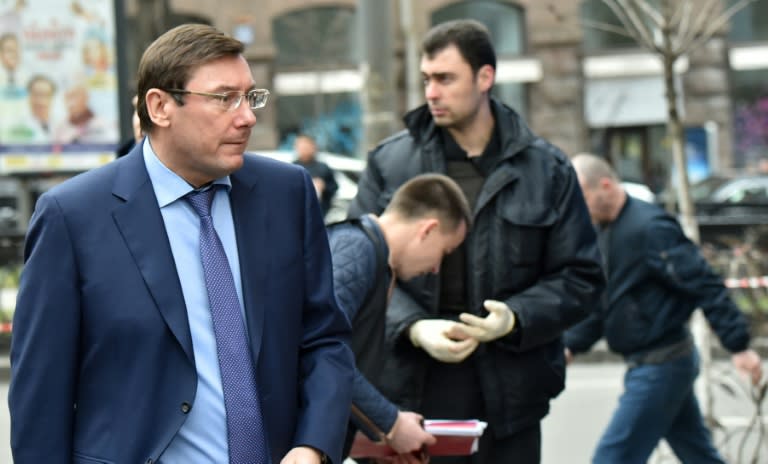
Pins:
x: 322, y: 175
x: 528, y: 270
x: 656, y: 279
x: 427, y: 218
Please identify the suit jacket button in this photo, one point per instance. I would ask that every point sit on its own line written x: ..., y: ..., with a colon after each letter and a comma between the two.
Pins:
x: 185, y: 408
x: 150, y: 461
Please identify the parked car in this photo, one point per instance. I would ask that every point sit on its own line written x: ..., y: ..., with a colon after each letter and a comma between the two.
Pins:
x: 728, y: 200
x: 640, y: 191
x: 347, y: 171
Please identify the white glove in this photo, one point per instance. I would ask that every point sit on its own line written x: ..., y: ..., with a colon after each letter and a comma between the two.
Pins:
x: 442, y: 339
x: 499, y: 322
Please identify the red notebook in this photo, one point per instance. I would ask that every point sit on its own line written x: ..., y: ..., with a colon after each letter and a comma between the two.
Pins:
x: 454, y: 438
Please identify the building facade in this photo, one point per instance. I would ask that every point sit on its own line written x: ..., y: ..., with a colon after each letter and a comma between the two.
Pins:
x: 337, y: 67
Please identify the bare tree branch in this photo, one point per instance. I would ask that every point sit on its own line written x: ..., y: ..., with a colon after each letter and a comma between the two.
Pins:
x: 716, y: 24
x: 635, y: 27
x: 678, y: 15
x: 685, y: 20
x: 601, y: 26
x: 650, y: 12
x: 705, y: 15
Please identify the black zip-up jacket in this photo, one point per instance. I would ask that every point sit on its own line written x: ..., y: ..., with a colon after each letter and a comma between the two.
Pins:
x: 532, y: 246
x: 656, y: 279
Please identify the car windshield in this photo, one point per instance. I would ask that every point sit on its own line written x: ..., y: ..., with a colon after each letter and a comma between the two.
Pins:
x: 703, y: 189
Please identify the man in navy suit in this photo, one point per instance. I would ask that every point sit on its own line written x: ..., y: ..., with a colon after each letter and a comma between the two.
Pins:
x: 114, y: 354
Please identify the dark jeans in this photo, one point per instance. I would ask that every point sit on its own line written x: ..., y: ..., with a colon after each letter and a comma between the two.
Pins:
x: 658, y: 402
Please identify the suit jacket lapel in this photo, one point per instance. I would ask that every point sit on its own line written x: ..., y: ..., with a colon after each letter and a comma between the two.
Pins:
x: 249, y: 213
x: 142, y: 227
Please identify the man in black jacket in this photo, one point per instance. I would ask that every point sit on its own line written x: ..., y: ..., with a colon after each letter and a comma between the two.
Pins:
x: 656, y: 279
x: 427, y: 218
x: 322, y: 175
x: 528, y: 270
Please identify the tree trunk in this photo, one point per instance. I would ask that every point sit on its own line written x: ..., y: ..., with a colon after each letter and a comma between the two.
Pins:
x: 699, y: 327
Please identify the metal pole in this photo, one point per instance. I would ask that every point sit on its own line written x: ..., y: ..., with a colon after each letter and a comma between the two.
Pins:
x: 124, y: 91
x: 378, y: 90
x: 413, y: 88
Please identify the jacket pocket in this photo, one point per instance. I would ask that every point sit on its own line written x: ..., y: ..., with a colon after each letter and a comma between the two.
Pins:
x: 520, y: 230
x: 80, y: 458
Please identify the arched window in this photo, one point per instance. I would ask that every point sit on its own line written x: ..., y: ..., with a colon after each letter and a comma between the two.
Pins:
x: 316, y: 36
x: 315, y: 46
x: 749, y: 24
x: 595, y: 39
x: 505, y: 22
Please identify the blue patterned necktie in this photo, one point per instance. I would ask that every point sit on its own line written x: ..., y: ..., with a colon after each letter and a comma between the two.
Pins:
x: 245, y: 430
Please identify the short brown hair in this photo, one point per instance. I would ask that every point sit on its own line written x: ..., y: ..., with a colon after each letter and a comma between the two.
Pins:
x: 470, y: 37
x: 170, y: 61
x: 432, y: 195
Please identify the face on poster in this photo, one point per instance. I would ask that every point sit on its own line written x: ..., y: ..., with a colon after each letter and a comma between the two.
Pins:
x: 58, y: 79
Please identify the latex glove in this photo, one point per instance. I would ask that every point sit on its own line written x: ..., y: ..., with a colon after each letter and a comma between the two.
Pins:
x: 408, y: 434
x: 748, y: 361
x: 442, y: 339
x: 499, y: 322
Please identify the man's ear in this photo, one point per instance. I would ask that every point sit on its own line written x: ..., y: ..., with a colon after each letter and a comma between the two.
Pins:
x: 426, y: 226
x: 160, y: 107
x: 485, y: 77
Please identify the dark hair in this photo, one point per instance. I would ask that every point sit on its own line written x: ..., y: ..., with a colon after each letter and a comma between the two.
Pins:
x: 40, y: 78
x: 306, y: 136
x: 470, y: 37
x: 170, y: 61
x: 432, y: 195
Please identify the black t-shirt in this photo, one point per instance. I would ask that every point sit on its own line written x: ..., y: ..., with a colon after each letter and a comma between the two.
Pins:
x: 470, y: 174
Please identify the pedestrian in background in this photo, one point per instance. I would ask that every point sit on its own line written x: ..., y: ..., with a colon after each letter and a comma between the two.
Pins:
x: 656, y: 278
x: 427, y: 218
x: 177, y: 304
x: 528, y: 269
x: 322, y: 175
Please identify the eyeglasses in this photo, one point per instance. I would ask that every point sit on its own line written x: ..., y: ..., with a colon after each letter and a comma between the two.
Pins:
x: 257, y: 98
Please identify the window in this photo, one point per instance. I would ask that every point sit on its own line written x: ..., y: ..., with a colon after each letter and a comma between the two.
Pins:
x: 313, y: 44
x: 595, y: 11
x: 504, y: 22
x: 322, y: 36
x: 749, y: 23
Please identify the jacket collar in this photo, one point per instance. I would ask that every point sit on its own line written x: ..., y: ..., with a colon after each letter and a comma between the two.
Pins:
x: 141, y: 223
x: 513, y: 131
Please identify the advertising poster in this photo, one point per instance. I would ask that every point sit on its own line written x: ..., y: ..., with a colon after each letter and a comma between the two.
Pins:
x: 58, y: 85
x: 697, y: 153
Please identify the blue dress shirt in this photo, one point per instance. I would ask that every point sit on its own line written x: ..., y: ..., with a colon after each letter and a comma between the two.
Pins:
x: 203, y: 437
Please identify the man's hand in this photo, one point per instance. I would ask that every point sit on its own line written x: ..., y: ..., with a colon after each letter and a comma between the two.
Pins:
x: 499, y: 322
x: 319, y: 186
x: 442, y: 339
x: 568, y: 357
x: 748, y: 362
x: 408, y: 434
x: 302, y: 455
